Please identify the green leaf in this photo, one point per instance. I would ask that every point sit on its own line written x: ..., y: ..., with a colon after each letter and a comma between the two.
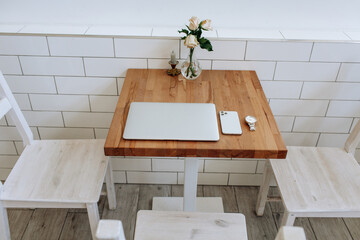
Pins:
x: 205, y: 44
x: 183, y: 38
x: 184, y: 31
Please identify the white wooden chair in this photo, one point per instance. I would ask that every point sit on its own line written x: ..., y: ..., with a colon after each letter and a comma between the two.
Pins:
x: 316, y: 181
x: 291, y: 233
x: 53, y: 173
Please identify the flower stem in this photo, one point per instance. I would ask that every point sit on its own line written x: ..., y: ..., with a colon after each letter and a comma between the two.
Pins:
x: 190, y: 67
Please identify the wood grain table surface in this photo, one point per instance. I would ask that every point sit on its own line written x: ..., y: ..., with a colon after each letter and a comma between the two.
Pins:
x: 239, y: 91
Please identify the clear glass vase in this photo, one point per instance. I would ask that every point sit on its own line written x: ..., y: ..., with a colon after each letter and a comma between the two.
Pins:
x: 191, y: 68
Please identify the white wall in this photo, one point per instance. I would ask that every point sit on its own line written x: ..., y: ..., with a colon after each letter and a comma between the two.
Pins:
x: 264, y: 14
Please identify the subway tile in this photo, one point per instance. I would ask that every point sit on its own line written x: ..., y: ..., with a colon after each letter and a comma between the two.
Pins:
x: 10, y: 65
x: 260, y: 167
x: 333, y: 91
x: 19, y: 146
x: 152, y: 177
x: 86, y: 85
x: 4, y: 173
x: 300, y: 139
x: 7, y: 148
x: 349, y: 72
x: 264, y: 70
x: 281, y: 51
x: 23, y: 101
x: 101, y: 133
x: 344, y: 109
x: 322, y: 124
x: 11, y: 133
x: 120, y: 83
x: 43, y: 119
x: 172, y: 165
x: 59, y: 102
x: 208, y: 178
x: 245, y: 179
x: 10, y: 28
x: 8, y: 161
x: 229, y: 50
x: 314, y: 35
x: 81, y: 46
x: 3, y: 122
x: 332, y: 140
x: 31, y: 84
x: 284, y: 123
x: 230, y: 166
x: 306, y: 71
x: 145, y: 48
x: 111, y: 67
x: 354, y: 35
x: 282, y: 89
x: 66, y: 133
x: 132, y: 164
x: 54, y: 29
x: 336, y: 52
x: 290, y: 107
x: 103, y: 103
x: 100, y: 30
x: 80, y: 119
x: 63, y: 66
x: 23, y: 45
x: 119, y: 177
x: 164, y: 64
x: 249, y: 33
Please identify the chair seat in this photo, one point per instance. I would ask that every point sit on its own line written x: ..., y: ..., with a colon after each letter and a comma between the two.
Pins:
x: 58, y: 171
x: 165, y: 225
x: 318, y: 180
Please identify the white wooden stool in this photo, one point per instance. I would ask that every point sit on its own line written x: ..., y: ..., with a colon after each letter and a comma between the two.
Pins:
x: 291, y: 233
x: 110, y: 230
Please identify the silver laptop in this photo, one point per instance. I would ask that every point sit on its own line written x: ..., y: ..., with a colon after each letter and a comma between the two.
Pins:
x: 172, y: 121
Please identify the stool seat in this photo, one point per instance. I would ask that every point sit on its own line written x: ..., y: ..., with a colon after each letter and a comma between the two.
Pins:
x: 110, y: 230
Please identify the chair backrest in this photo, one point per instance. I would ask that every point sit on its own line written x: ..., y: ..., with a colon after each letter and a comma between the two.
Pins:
x: 291, y: 233
x: 8, y: 105
x: 353, y: 140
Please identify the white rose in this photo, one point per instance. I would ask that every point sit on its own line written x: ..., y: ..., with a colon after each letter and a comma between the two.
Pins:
x: 194, y: 23
x: 191, y: 41
x: 206, y: 24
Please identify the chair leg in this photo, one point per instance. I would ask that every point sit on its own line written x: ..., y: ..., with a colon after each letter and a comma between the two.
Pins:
x: 94, y: 218
x: 110, y: 187
x: 4, y: 224
x: 288, y: 219
x: 264, y: 189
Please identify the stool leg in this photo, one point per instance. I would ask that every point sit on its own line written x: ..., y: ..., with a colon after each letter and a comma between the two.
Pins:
x: 110, y: 187
x: 264, y: 189
x: 288, y: 219
x: 94, y: 218
x: 190, y: 184
x: 4, y: 224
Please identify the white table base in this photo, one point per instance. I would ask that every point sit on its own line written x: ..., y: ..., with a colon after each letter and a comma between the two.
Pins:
x: 203, y: 204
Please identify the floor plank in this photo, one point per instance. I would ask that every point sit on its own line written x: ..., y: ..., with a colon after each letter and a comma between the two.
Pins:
x: 45, y: 224
x: 258, y: 227
x: 330, y: 229
x: 228, y: 196
x: 18, y: 221
x: 178, y: 191
x: 127, y: 197
x: 147, y: 192
x: 353, y: 224
x: 76, y: 227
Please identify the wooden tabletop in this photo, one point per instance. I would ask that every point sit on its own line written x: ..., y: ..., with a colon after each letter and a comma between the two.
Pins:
x: 239, y: 91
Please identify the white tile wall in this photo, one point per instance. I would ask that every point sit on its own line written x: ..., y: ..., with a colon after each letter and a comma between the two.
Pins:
x: 131, y: 164
x: 86, y: 85
x: 81, y: 46
x: 111, y: 67
x: 314, y: 35
x: 164, y: 64
x: 23, y: 101
x: 19, y: 146
x: 284, y: 123
x: 59, y: 102
x: 4, y: 173
x: 7, y: 147
x: 261, y: 166
x: 119, y: 177
x: 277, y: 89
x: 62, y: 66
x: 300, y: 139
x: 23, y: 45
x: 336, y: 52
x: 223, y: 50
x: 101, y: 133
x: 336, y: 91
x: 349, y: 72
x: 66, y: 133
x: 152, y: 177
x: 11, y: 133
x: 208, y: 178
x: 264, y: 70
x: 305, y: 71
x: 281, y: 51
x: 245, y: 179
x: 322, y: 124
x: 344, y: 109
x: 230, y: 166
x: 172, y: 165
x: 145, y: 48
x: 120, y: 83
x: 43, y: 119
x: 103, y: 103
x: 299, y: 107
x: 10, y: 65
x: 8, y: 161
x: 31, y: 84
x: 79, y: 119
x: 332, y: 140
x: 249, y: 34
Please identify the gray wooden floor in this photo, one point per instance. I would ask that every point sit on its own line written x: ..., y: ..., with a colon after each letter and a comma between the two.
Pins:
x: 47, y: 224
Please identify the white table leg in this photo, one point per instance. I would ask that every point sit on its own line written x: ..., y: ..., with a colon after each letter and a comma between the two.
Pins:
x: 4, y: 223
x: 94, y: 218
x: 110, y: 187
x: 190, y: 184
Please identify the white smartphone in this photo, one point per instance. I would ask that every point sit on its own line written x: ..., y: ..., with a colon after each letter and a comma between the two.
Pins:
x: 230, y: 123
